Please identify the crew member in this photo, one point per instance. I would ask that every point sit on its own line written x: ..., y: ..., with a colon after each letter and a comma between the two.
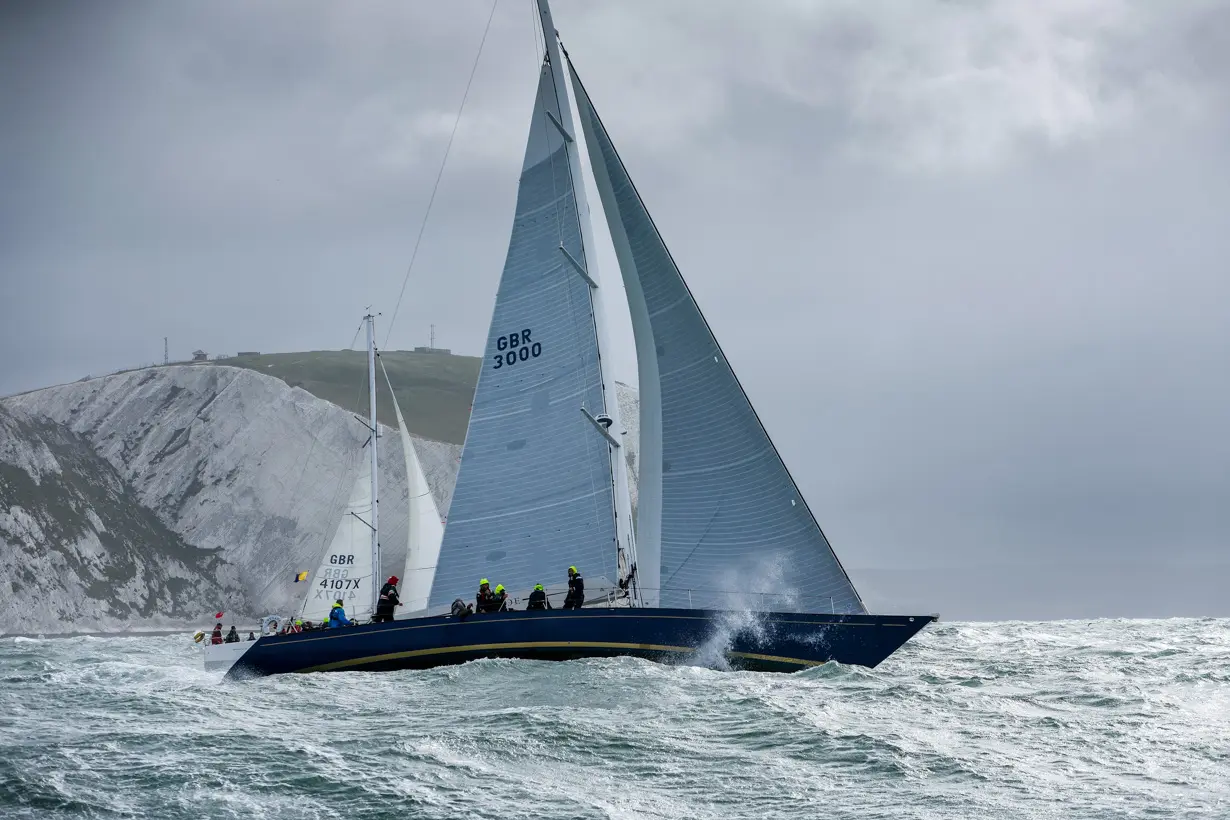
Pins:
x: 251, y: 636
x: 538, y: 599
x: 499, y: 601
x: 576, y: 590
x: 388, y: 599
x: 461, y: 609
x: 483, y: 601
x: 233, y: 635
x: 216, y: 637
x: 337, y: 616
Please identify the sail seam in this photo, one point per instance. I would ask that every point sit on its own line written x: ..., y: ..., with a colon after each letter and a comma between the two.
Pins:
x: 553, y: 203
x: 682, y: 300
x: 685, y: 368
x: 523, y: 510
x: 525, y: 410
x: 725, y: 465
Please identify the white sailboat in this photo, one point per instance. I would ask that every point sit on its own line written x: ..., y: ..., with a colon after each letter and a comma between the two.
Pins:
x: 349, y: 569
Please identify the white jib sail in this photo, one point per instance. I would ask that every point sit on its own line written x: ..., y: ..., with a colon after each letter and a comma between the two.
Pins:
x: 345, y: 571
x: 424, y: 530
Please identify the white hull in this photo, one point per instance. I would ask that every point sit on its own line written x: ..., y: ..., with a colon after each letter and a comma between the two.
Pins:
x: 222, y: 656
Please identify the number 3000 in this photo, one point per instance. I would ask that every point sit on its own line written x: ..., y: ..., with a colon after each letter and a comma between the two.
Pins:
x: 521, y: 354
x: 519, y: 348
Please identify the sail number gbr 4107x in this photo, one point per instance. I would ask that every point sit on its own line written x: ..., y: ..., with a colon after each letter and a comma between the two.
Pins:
x: 516, y: 347
x: 337, y: 578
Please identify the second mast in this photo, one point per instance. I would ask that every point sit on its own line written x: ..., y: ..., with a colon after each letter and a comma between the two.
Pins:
x: 370, y: 319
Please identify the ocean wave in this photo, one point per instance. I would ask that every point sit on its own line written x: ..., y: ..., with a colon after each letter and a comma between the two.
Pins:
x: 1108, y: 719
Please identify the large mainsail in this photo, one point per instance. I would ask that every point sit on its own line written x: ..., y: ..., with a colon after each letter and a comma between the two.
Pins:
x: 345, y: 571
x: 715, y: 497
x: 534, y: 494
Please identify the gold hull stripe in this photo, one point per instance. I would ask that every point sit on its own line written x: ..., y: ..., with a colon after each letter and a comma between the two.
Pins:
x: 485, y: 647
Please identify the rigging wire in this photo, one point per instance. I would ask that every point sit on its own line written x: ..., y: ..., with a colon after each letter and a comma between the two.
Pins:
x: 443, y: 163
x: 540, y: 49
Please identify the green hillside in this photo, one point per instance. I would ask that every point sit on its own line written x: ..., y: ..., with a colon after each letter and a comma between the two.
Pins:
x: 434, y: 389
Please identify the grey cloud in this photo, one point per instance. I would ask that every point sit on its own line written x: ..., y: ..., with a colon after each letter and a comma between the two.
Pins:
x: 968, y: 258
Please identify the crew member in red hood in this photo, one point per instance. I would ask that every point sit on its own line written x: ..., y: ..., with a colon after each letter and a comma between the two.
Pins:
x: 388, y: 600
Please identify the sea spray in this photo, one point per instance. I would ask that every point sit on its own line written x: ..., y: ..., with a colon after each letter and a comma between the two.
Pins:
x: 744, y: 625
x: 761, y: 583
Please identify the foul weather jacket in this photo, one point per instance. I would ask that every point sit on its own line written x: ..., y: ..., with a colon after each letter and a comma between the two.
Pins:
x: 576, y: 592
x: 388, y: 600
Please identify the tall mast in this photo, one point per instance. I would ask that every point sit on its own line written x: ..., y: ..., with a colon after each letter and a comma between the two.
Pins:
x: 624, y: 532
x: 370, y: 319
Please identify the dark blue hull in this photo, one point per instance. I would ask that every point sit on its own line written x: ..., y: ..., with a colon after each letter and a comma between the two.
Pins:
x: 766, y: 641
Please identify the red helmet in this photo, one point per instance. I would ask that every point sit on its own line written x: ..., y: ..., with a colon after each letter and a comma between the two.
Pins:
x: 393, y: 579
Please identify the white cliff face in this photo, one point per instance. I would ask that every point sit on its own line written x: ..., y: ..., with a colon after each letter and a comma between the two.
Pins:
x: 238, y: 462
x: 234, y: 464
x: 78, y: 551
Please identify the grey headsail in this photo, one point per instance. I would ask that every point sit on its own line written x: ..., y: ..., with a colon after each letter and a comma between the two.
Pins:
x: 715, y: 497
x: 534, y: 493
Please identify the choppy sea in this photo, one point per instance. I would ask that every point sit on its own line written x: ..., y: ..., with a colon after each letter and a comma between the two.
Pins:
x: 1093, y: 719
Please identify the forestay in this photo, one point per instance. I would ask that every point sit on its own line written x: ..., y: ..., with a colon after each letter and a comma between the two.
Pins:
x: 534, y: 492
x: 346, y: 569
x: 713, y: 491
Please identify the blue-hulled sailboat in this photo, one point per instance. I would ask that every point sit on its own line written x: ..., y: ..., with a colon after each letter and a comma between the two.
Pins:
x: 724, y: 562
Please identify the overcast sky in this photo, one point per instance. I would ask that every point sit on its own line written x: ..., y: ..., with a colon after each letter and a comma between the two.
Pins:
x: 970, y: 259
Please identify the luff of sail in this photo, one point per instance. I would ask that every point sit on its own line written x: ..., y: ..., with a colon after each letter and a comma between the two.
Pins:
x: 715, y: 497
x: 534, y: 491
x: 624, y: 525
x: 424, y: 528
x: 345, y: 571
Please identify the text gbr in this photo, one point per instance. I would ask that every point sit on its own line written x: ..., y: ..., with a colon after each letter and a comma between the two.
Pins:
x: 336, y: 577
x: 516, y: 347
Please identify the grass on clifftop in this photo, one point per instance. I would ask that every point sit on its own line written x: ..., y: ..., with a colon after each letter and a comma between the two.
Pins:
x: 435, y: 390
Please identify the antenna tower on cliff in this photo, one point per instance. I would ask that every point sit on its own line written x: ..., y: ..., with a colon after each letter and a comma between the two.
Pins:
x: 166, y: 352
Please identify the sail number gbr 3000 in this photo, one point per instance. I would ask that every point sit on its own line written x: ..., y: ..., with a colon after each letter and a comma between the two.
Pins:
x: 516, y: 347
